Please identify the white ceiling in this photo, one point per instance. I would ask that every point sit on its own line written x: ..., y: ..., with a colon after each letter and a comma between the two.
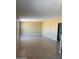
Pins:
x: 38, y: 8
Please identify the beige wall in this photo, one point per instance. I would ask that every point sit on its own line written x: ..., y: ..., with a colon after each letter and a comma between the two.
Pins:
x: 31, y: 28
x: 49, y: 28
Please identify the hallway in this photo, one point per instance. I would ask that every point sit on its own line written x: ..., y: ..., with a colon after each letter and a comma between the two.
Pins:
x: 37, y: 47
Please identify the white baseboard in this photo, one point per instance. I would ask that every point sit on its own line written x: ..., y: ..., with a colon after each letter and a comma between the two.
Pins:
x: 50, y: 37
x: 29, y: 34
x: 34, y: 34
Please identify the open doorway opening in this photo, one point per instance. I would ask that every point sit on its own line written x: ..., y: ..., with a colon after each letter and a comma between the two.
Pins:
x: 59, y: 33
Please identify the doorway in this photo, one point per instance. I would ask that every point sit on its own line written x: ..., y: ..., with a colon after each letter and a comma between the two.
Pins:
x: 59, y: 33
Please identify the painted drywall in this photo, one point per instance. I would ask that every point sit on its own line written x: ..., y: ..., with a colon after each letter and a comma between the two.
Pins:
x: 31, y: 28
x: 49, y: 28
x: 17, y: 34
x: 38, y: 7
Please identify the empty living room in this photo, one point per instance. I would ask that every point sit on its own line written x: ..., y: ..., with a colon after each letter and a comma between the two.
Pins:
x: 38, y: 29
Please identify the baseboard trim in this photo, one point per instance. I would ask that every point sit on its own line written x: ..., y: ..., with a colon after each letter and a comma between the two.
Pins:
x: 30, y: 34
x: 49, y: 38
